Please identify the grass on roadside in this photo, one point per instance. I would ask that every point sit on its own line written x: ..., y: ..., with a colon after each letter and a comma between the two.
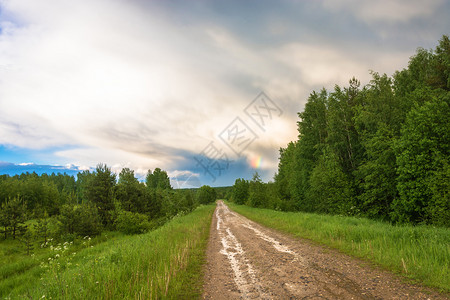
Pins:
x: 421, y: 253
x: 18, y: 271
x: 164, y: 263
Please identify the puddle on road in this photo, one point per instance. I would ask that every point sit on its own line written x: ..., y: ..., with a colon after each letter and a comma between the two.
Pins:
x: 276, y: 244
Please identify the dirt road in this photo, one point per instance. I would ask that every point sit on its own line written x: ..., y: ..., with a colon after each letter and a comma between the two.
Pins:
x: 248, y: 261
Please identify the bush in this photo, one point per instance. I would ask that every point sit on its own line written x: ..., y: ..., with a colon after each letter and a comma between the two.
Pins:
x: 81, y: 220
x: 132, y: 223
x: 88, y: 221
x: 206, y: 195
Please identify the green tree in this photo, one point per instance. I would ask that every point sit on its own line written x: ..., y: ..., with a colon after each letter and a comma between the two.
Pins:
x: 438, y: 210
x: 87, y: 221
x: 330, y: 189
x: 343, y: 138
x: 27, y: 240
x: 82, y: 220
x: 163, y: 200
x: 185, y: 200
x: 380, y: 151
x: 153, y: 201
x: 130, y: 192
x: 42, y: 229
x: 10, y: 187
x: 206, y: 195
x: 82, y: 185
x: 426, y: 69
x: 158, y: 179
x: 240, y: 191
x: 440, y: 78
x: 313, y: 135
x: 13, y: 217
x: 378, y: 122
x: 100, y: 192
x: 377, y: 177
x: 274, y: 201
x: 4, y: 221
x: 422, y: 158
x: 68, y: 218
x: 284, y: 179
x: 257, y: 196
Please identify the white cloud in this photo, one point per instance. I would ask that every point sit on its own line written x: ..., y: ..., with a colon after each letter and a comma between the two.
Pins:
x: 320, y: 65
x: 180, y: 179
x: 126, y: 85
x: 97, y: 66
x: 385, y: 10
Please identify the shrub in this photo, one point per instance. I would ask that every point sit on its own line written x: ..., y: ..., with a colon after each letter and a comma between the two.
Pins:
x: 132, y: 223
x: 206, y: 195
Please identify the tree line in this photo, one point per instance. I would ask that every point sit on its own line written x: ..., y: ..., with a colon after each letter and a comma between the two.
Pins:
x: 379, y: 151
x: 62, y: 206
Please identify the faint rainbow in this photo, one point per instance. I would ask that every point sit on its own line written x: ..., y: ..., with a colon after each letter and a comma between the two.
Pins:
x: 256, y: 162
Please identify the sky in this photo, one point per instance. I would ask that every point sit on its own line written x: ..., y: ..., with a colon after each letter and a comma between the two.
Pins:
x: 207, y: 90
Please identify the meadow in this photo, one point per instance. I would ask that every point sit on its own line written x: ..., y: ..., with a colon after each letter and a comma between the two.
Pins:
x: 420, y: 253
x: 164, y: 263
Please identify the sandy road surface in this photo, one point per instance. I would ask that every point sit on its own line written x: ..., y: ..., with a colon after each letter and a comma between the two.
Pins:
x: 248, y: 261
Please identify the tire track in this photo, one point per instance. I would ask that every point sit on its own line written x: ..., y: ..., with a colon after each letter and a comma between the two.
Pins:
x: 244, y: 274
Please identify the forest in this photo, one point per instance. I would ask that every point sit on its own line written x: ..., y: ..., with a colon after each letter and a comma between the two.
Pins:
x: 379, y: 151
x: 58, y: 206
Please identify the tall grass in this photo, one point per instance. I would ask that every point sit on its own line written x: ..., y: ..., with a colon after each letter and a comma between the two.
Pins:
x: 18, y: 270
x: 421, y: 253
x: 164, y: 263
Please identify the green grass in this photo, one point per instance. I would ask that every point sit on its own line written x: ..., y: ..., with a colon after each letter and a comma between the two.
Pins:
x: 18, y: 270
x: 421, y: 253
x: 164, y: 263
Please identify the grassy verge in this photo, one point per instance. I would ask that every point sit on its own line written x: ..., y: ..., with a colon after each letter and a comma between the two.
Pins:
x: 164, y: 263
x: 18, y: 270
x: 421, y: 253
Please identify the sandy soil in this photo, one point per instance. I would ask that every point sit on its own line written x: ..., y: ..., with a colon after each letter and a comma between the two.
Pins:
x: 248, y: 261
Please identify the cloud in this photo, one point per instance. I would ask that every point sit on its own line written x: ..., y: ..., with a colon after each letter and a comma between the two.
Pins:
x: 403, y: 23
x: 318, y: 65
x: 184, y: 179
x: 147, y: 84
x: 33, y: 132
x: 394, y: 11
x: 131, y: 105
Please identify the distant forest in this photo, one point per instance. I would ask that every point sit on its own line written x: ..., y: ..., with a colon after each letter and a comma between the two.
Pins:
x: 379, y: 151
x: 60, y: 206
